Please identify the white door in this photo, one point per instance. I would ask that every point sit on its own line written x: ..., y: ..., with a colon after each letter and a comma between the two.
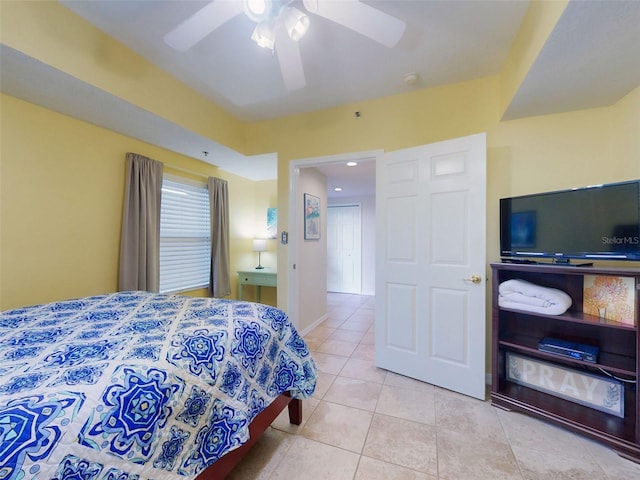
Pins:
x: 430, y: 263
x: 344, y: 252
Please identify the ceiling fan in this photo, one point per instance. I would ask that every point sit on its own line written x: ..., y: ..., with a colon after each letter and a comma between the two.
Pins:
x: 280, y: 24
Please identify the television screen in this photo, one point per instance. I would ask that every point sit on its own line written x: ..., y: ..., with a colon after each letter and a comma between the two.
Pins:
x: 599, y: 222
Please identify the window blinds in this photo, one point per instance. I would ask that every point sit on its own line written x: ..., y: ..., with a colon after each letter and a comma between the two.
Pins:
x: 185, y: 236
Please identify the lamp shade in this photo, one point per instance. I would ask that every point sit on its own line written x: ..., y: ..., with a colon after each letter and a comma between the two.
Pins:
x: 259, y: 245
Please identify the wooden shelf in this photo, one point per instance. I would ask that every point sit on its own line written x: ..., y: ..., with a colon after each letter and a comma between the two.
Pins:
x: 577, y: 317
x: 556, y: 408
x: 519, y: 331
x: 611, y: 362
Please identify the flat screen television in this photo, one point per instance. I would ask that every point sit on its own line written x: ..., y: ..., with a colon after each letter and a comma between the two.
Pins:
x: 591, y: 223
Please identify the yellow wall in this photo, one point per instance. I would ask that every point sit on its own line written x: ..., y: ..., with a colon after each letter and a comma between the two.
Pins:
x: 61, y: 206
x: 392, y: 123
x: 263, y: 196
x: 52, y: 34
x: 537, y: 25
x: 62, y: 189
x: 389, y: 123
x: 625, y: 125
x: 523, y: 156
x: 46, y: 152
x: 533, y: 154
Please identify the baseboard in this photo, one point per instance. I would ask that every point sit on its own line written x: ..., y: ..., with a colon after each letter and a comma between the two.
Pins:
x: 313, y: 325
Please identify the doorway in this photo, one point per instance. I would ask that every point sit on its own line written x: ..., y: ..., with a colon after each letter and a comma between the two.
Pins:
x: 299, y: 277
x: 430, y: 322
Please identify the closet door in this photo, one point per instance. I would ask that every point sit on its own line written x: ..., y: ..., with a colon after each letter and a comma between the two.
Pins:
x: 344, y: 249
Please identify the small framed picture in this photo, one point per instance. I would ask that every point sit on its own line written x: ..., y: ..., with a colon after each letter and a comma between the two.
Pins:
x: 311, y: 217
x: 272, y: 222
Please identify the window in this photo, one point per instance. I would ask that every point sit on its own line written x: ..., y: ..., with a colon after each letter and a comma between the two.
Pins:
x: 185, y: 236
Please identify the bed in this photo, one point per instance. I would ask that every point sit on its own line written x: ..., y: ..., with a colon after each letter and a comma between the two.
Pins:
x: 134, y: 385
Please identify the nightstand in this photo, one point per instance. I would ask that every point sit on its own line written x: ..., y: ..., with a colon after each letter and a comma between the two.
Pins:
x: 259, y: 278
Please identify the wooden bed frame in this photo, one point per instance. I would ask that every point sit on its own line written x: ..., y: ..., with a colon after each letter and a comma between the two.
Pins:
x: 225, y: 464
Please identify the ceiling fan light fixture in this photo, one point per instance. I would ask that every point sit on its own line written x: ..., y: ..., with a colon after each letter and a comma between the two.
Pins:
x: 295, y: 22
x: 264, y: 35
x: 257, y: 10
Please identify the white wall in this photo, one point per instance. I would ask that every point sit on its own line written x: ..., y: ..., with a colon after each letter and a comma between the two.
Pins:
x: 368, y: 205
x: 312, y: 262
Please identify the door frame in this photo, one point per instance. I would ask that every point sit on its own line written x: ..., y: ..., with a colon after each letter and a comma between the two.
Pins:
x: 295, y: 217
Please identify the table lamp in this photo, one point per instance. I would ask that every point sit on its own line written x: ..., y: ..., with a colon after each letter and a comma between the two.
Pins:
x: 259, y: 245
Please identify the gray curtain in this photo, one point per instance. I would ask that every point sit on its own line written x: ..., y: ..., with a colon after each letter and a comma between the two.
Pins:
x: 219, y: 280
x: 140, y: 242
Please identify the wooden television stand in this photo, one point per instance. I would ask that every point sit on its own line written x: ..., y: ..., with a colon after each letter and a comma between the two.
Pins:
x: 516, y: 333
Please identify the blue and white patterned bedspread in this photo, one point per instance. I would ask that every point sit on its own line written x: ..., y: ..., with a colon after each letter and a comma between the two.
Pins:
x: 135, y: 385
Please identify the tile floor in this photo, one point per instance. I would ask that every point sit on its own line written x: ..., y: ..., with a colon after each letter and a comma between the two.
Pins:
x: 364, y: 423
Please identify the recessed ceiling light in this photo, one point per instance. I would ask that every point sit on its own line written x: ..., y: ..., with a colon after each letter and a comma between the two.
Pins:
x: 352, y: 164
x: 337, y: 189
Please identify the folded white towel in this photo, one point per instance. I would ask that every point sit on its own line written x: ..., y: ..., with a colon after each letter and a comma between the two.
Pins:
x: 523, y: 295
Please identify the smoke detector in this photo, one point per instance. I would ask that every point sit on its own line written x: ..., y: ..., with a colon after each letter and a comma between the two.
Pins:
x: 411, y: 78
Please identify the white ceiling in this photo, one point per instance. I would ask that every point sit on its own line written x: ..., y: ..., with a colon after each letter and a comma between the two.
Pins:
x: 591, y: 59
x: 444, y: 41
x: 357, y: 181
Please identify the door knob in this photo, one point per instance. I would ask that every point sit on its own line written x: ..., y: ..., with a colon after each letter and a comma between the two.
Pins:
x: 474, y: 279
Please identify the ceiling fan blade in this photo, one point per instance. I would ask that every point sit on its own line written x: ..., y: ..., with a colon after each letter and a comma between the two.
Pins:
x: 290, y: 60
x: 202, y: 23
x: 364, y: 19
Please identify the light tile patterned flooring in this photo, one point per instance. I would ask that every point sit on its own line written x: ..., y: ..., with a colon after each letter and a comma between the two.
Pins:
x: 364, y: 423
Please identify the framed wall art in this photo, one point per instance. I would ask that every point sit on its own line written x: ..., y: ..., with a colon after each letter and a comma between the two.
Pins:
x: 311, y: 217
x: 272, y: 222
x: 610, y: 297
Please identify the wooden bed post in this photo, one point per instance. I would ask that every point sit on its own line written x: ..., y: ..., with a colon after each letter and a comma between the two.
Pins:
x: 221, y: 468
x: 295, y: 411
